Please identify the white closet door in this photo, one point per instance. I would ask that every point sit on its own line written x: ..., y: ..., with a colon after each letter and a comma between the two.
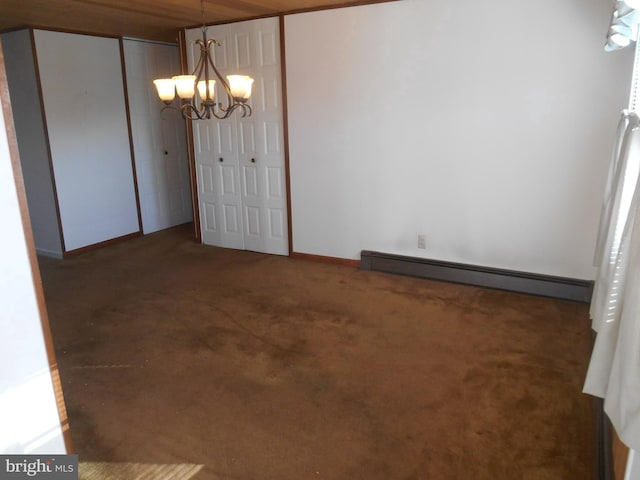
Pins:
x: 216, y: 151
x: 242, y: 198
x: 159, y: 139
x: 84, y: 104
x: 269, y: 141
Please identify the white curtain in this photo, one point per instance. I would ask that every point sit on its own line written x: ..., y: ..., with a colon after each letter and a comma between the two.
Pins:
x: 614, y: 370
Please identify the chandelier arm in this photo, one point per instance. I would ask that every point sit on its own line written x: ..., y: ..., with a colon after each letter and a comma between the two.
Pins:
x: 227, y: 89
x: 190, y: 112
x: 186, y: 110
x: 246, y: 111
x: 205, y: 48
x: 197, y: 108
x: 201, y: 61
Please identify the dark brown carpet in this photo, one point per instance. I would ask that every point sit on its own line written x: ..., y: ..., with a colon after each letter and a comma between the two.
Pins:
x: 264, y: 367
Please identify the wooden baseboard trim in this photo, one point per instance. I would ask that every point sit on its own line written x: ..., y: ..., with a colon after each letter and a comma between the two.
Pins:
x: 88, y: 248
x: 514, y: 281
x: 323, y: 259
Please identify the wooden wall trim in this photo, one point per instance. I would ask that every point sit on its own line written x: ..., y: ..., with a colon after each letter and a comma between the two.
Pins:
x: 134, y: 172
x: 31, y: 252
x: 285, y: 132
x: 360, y: 3
x: 191, y: 154
x: 106, y: 243
x: 333, y: 6
x: 67, y: 30
x: 522, y: 282
x: 347, y: 262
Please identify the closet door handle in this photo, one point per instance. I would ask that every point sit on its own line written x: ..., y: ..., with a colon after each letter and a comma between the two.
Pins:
x: 221, y: 159
x: 253, y: 160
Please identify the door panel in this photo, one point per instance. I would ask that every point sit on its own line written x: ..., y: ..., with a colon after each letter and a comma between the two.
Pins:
x: 252, y: 199
x: 250, y: 176
x: 159, y: 138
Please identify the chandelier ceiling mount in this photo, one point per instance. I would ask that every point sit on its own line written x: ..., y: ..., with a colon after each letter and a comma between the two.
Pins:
x: 197, y: 92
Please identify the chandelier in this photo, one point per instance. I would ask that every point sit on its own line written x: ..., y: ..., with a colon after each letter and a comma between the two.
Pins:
x: 204, y: 105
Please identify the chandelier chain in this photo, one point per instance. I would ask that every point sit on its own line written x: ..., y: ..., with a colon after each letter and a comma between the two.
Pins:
x: 197, y: 92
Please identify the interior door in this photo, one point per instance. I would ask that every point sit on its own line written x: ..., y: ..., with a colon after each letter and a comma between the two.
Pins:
x: 261, y: 145
x: 159, y: 138
x: 217, y: 160
x: 242, y: 197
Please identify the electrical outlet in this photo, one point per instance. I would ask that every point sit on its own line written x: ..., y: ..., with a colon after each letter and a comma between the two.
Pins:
x: 422, y: 241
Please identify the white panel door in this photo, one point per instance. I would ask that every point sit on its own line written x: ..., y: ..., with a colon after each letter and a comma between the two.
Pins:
x: 84, y: 104
x: 159, y: 139
x: 269, y: 142
x: 216, y: 152
x: 258, y: 200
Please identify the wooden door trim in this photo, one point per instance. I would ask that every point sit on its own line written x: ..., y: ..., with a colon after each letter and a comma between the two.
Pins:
x: 285, y: 132
x: 134, y: 172
x: 191, y: 154
x: 31, y: 252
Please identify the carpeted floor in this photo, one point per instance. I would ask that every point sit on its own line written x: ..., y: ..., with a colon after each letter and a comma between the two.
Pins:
x: 135, y: 471
x: 262, y: 367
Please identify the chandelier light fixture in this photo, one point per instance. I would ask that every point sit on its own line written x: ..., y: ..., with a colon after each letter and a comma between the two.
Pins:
x: 203, y: 80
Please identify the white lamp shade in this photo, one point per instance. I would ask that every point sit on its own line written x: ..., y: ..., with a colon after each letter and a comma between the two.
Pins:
x: 166, y: 89
x: 185, y: 85
x: 202, y: 89
x: 240, y: 86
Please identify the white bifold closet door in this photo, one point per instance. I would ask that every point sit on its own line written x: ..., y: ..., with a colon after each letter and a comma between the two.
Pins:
x: 240, y: 161
x: 159, y: 138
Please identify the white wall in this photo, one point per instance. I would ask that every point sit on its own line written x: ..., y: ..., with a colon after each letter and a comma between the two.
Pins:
x: 32, y: 141
x: 83, y: 94
x: 28, y: 413
x: 487, y: 126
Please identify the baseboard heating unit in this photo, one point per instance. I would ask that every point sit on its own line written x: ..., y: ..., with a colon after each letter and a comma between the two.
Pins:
x: 514, y: 281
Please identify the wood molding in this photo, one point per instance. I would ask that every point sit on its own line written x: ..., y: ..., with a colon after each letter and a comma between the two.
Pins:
x: 134, y: 172
x: 95, y: 246
x: 285, y: 132
x: 191, y: 154
x: 31, y: 252
x: 295, y: 11
x: 360, y: 3
x: 522, y: 282
x: 347, y: 262
x: 74, y: 32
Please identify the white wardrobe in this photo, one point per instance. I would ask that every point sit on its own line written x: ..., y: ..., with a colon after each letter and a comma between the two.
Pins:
x: 240, y: 161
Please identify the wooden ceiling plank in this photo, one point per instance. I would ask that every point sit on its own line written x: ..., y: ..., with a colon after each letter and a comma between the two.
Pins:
x: 146, y: 19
